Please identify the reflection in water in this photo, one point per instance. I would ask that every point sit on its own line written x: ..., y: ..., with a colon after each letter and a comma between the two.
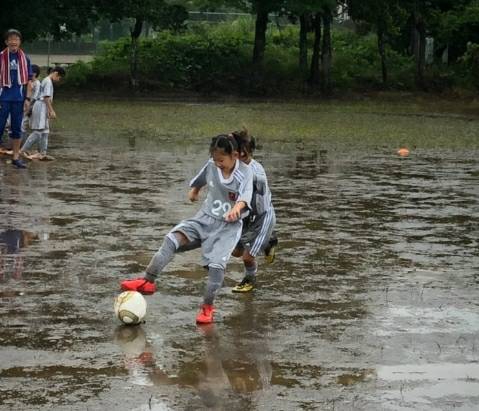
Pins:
x: 11, y: 241
x: 377, y: 267
x: 11, y: 259
x: 218, y: 373
x: 138, y: 355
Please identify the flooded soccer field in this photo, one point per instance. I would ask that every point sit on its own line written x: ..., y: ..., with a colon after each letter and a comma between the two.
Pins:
x: 371, y: 303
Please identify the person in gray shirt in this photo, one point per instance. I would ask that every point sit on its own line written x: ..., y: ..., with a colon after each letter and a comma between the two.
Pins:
x: 217, y: 225
x: 257, y: 235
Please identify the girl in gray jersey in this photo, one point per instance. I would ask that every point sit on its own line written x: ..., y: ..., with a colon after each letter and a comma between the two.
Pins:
x: 217, y: 225
x: 257, y: 235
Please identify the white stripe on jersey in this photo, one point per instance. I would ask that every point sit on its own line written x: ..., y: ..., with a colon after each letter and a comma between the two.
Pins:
x: 262, y: 234
x: 200, y: 172
x: 257, y: 168
x: 239, y: 176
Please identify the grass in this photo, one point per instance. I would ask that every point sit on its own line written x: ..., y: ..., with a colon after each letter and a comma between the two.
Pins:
x: 421, y: 122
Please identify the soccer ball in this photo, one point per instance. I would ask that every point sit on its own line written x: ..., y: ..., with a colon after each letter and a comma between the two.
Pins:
x: 130, y: 307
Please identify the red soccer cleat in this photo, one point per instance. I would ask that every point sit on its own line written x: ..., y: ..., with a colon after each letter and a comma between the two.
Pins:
x: 205, y: 316
x: 138, y: 284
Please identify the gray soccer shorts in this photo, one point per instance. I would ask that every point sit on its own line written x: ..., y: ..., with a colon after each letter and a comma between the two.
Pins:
x: 257, y: 232
x: 218, y: 238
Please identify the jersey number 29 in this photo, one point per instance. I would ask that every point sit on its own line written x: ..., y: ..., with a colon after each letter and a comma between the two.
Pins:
x: 220, y: 208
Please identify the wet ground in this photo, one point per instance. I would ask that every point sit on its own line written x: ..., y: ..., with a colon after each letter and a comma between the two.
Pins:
x: 371, y: 304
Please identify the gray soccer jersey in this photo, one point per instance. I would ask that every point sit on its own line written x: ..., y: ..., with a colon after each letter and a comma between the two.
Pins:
x: 261, y: 202
x: 257, y: 231
x: 255, y: 235
x: 224, y: 193
x: 208, y: 227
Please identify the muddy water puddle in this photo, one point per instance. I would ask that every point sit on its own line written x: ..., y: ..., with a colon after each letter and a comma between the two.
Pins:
x: 371, y: 303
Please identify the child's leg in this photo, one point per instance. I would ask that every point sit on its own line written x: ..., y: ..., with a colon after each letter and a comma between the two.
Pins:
x: 238, y: 252
x: 186, y: 231
x: 165, y: 254
x: 25, y: 122
x: 43, y: 143
x: 31, y: 140
x: 16, y: 117
x: 256, y: 238
x: 249, y: 280
x: 216, y: 275
x: 250, y: 266
x: 4, y: 113
x: 146, y: 284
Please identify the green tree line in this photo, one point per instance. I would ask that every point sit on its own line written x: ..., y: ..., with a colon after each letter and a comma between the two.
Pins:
x: 400, y: 27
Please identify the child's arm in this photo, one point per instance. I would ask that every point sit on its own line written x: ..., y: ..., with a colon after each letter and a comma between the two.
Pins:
x: 197, y: 182
x: 51, y: 112
x: 194, y: 194
x: 235, y: 213
x: 26, y: 104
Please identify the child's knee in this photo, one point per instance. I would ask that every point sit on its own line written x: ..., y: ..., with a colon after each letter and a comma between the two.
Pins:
x: 237, y: 252
x: 248, y: 258
x: 178, y: 238
x: 216, y: 274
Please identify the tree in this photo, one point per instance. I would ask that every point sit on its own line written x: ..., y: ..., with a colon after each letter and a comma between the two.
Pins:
x: 326, y: 51
x: 36, y: 18
x: 423, y: 14
x: 382, y: 16
x: 315, y: 71
x: 139, y: 12
x: 321, y: 14
x: 456, y: 26
x: 262, y: 8
x: 315, y: 16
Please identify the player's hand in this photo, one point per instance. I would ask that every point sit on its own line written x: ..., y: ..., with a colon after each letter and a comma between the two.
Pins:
x: 234, y: 214
x: 52, y: 114
x: 26, y: 106
x: 194, y: 194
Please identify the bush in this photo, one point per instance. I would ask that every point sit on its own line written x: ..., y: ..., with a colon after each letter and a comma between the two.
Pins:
x: 357, y: 63
x: 217, y: 58
x: 78, y: 74
x: 468, y: 66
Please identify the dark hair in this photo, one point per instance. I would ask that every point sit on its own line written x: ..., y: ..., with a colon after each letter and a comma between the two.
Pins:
x: 12, y: 32
x: 246, y: 142
x: 60, y: 70
x: 35, y: 70
x: 224, y: 142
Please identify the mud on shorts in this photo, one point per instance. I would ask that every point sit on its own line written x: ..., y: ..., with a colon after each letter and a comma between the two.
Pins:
x: 218, y: 238
x: 257, y: 232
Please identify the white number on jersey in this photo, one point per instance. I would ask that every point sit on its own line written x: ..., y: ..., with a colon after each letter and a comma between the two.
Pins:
x: 220, y: 208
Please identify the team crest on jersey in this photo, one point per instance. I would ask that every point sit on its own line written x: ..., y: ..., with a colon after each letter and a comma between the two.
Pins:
x: 232, y: 196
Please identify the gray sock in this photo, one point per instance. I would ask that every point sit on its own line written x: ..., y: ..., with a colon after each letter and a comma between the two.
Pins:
x: 161, y: 258
x: 250, y: 271
x: 216, y: 276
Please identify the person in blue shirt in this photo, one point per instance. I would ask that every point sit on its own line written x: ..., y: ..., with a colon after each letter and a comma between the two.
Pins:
x: 15, y: 90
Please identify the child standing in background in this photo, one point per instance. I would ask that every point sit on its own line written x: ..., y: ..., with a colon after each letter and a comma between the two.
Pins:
x: 41, y: 114
x: 36, y: 86
x: 217, y: 225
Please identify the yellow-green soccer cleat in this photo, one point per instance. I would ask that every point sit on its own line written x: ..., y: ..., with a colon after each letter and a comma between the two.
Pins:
x: 245, y: 286
x: 270, y: 251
